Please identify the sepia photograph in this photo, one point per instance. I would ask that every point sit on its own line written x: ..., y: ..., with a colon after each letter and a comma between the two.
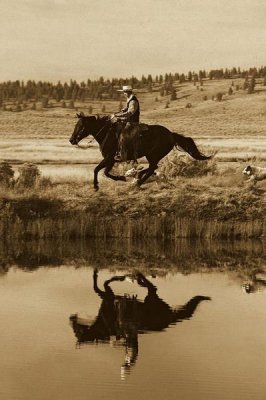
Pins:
x: 133, y: 199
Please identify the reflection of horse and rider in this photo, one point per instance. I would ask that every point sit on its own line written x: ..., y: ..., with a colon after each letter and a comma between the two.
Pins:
x: 121, y: 318
x: 129, y: 127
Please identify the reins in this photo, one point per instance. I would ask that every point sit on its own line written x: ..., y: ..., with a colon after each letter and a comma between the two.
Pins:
x: 94, y: 137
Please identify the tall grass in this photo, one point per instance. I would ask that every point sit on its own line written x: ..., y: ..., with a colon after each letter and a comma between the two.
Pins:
x: 176, y: 165
x: 205, y: 205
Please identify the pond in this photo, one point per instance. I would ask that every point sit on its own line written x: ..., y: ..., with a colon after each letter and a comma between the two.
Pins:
x: 183, y: 320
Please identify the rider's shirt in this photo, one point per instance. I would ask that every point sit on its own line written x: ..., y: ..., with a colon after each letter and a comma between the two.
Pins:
x: 131, y: 112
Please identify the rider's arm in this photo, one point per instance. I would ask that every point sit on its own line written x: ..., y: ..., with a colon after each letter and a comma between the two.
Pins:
x: 133, y: 105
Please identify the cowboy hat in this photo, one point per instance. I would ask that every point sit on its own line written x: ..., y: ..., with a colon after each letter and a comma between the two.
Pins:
x: 127, y: 88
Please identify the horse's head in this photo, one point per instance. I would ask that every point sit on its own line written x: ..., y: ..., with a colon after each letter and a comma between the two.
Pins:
x: 84, y: 332
x: 82, y: 128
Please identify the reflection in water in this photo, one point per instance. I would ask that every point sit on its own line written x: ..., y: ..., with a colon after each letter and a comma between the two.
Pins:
x: 35, y: 253
x: 124, y: 317
x: 242, y: 260
x: 254, y: 284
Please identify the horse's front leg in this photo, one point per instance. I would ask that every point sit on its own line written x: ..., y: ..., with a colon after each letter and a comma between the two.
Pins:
x: 107, y: 170
x: 96, y: 170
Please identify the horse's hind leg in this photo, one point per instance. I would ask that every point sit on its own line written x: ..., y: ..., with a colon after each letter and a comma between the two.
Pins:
x: 114, y: 279
x: 144, y: 282
x: 149, y: 172
x: 142, y: 172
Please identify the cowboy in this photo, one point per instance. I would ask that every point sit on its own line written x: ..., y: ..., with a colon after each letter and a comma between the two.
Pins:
x: 129, y: 116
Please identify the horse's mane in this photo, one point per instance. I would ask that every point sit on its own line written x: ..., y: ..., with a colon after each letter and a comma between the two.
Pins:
x: 97, y: 117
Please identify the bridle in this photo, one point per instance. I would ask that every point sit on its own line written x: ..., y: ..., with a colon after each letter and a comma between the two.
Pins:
x: 79, y: 135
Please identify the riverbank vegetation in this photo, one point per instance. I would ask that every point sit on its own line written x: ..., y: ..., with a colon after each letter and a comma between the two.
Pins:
x: 194, y: 200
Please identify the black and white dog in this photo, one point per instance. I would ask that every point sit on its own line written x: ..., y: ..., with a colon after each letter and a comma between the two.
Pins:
x: 255, y: 173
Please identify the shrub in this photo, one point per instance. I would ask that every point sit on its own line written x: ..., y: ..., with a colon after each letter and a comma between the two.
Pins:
x: 29, y: 176
x: 6, y: 174
x: 251, y: 85
x: 44, y: 183
x: 205, y: 98
x: 45, y: 102
x: 71, y: 104
x: 188, y: 105
x: 245, y: 84
x: 173, y: 95
x: 230, y: 91
x: 219, y: 96
x: 174, y: 166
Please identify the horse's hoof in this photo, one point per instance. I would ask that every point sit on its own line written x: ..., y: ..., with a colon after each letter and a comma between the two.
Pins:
x: 96, y: 188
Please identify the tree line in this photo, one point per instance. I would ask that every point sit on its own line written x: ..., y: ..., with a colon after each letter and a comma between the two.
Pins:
x: 104, y: 89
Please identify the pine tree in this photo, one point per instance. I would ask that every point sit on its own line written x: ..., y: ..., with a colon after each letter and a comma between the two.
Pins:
x: 246, y: 84
x: 173, y: 95
x: 251, y: 85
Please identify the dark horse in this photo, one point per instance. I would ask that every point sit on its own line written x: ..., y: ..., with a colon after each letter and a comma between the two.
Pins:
x: 154, y: 143
x: 124, y: 317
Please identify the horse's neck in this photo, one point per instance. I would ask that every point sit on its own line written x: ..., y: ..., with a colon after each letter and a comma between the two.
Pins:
x: 99, y: 132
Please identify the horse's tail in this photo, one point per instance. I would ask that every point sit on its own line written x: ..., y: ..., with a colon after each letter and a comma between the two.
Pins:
x: 189, y: 146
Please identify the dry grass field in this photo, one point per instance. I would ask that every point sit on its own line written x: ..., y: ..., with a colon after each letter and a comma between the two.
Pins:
x: 235, y: 126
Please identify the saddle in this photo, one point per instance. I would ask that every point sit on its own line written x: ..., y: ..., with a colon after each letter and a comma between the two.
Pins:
x: 129, y: 136
x: 143, y: 128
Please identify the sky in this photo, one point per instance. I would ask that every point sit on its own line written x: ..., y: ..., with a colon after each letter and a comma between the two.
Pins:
x: 80, y: 39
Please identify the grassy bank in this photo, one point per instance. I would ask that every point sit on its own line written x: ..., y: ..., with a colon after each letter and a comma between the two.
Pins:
x: 209, y: 206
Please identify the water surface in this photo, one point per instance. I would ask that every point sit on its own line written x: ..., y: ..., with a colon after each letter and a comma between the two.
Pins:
x: 215, y: 349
